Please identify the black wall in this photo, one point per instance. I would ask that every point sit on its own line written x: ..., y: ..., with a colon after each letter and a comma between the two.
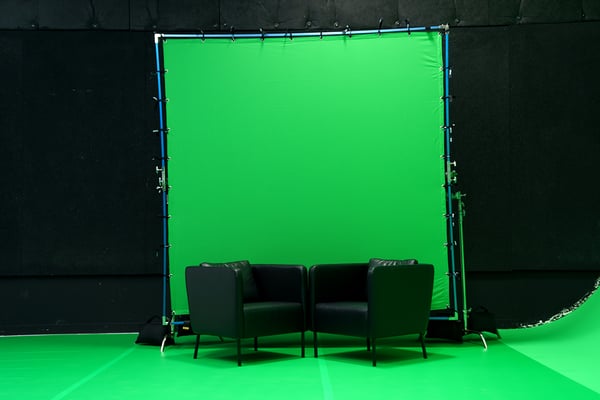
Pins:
x: 525, y: 143
x: 80, y: 230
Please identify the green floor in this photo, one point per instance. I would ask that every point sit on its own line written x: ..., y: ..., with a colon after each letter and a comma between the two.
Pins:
x: 548, y: 362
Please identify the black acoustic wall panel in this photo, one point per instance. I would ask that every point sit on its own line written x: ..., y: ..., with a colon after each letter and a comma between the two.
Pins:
x: 77, y: 14
x: 591, y: 10
x: 11, y: 102
x: 79, y: 129
x: 521, y: 298
x: 482, y: 141
x: 554, y: 95
x: 18, y: 14
x: 174, y: 15
x: 222, y: 15
x: 539, y: 11
x: 359, y: 14
x: 64, y: 14
x: 65, y: 304
x: 427, y: 12
x: 486, y: 13
x: 268, y: 15
x: 525, y: 141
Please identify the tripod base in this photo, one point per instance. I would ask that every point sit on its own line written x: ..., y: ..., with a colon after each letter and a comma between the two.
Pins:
x: 454, y: 330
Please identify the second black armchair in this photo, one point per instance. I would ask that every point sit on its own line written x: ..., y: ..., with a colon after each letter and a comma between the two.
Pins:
x: 371, y: 301
x: 239, y: 300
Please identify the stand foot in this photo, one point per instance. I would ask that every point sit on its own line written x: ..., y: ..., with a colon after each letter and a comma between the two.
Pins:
x: 485, y: 346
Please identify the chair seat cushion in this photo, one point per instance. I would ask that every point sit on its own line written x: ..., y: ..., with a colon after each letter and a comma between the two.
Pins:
x: 343, y: 317
x: 272, y: 318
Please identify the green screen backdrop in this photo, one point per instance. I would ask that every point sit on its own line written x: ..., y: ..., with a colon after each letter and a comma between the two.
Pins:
x: 306, y: 151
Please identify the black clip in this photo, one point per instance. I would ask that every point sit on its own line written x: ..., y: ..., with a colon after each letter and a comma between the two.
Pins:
x: 321, y: 35
x: 407, y: 26
x: 348, y: 31
x: 291, y: 37
x: 202, y: 35
x: 232, y: 34
x: 160, y: 100
x: 380, y: 24
x: 262, y: 34
x: 160, y: 71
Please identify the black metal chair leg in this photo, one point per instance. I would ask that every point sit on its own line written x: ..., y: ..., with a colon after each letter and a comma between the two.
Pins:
x: 196, y: 347
x: 239, y: 352
x: 302, y: 344
x: 374, y: 353
x: 315, y: 345
x: 422, y: 339
x: 368, y: 344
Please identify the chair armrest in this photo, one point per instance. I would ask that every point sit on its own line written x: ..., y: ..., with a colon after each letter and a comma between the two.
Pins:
x: 281, y: 282
x: 215, y: 300
x: 401, y: 291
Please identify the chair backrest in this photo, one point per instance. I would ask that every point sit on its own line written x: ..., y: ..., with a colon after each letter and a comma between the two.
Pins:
x: 281, y: 282
x: 338, y: 282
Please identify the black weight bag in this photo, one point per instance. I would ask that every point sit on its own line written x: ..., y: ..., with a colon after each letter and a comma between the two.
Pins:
x: 154, y: 333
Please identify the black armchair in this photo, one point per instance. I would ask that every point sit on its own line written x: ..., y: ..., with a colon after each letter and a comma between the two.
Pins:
x: 371, y: 301
x: 239, y: 300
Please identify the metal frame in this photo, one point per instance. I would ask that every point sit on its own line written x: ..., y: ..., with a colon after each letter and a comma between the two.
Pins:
x: 458, y: 307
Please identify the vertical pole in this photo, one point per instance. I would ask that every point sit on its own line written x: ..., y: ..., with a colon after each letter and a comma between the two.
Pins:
x: 461, y: 213
x: 163, y: 163
x: 448, y: 167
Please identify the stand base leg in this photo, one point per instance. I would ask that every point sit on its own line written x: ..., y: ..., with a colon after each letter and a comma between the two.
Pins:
x: 480, y: 336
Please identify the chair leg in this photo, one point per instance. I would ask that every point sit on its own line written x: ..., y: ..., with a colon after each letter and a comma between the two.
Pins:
x: 315, y: 344
x: 368, y: 344
x: 255, y: 343
x: 374, y: 353
x: 239, y: 351
x: 196, y: 347
x: 422, y: 339
x: 302, y: 344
